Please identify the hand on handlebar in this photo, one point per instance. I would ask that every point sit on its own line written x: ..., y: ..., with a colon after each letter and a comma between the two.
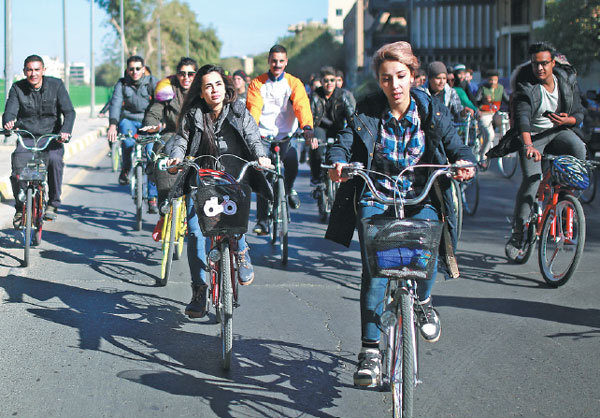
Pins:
x: 265, y: 162
x: 10, y: 125
x: 335, y: 174
x: 112, y: 133
x: 171, y: 162
x: 64, y: 137
x: 153, y: 129
x: 465, y: 173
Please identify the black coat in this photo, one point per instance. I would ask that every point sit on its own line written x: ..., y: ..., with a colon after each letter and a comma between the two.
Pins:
x: 40, y: 118
x: 356, y: 143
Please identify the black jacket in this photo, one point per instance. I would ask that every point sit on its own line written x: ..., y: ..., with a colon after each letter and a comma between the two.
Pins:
x: 44, y: 117
x: 130, y: 99
x: 342, y: 108
x: 356, y: 143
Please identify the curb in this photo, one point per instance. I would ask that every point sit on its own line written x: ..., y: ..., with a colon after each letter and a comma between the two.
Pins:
x: 71, y: 149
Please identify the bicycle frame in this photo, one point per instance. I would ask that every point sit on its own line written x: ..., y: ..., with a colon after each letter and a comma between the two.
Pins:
x: 547, y: 198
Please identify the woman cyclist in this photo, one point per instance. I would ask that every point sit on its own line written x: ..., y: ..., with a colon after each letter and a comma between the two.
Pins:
x: 213, y: 122
x: 392, y: 129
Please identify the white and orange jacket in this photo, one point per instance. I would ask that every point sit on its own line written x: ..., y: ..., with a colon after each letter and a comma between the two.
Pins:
x: 277, y: 105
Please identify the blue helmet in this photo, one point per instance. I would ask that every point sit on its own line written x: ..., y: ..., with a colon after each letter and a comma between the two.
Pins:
x: 570, y: 172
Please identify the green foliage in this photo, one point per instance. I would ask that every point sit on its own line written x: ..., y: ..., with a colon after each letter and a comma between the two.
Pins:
x: 107, y: 74
x: 573, y: 27
x: 308, y: 51
x: 231, y: 64
x: 178, y: 23
x: 80, y: 95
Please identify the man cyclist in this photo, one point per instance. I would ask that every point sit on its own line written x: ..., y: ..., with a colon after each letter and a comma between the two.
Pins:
x: 131, y: 96
x: 37, y: 104
x: 278, y: 102
x: 546, y: 108
x: 437, y: 87
x: 331, y: 108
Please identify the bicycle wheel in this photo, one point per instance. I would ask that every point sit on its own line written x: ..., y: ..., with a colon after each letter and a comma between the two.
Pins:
x: 37, y: 216
x: 181, y: 227
x: 508, y: 164
x: 226, y: 300
x: 168, y: 246
x: 322, y: 203
x: 139, y: 196
x: 115, y: 155
x: 275, y: 217
x: 588, y: 195
x: 28, y: 221
x: 562, y: 241
x: 458, y: 207
x: 470, y: 195
x: 530, y: 240
x: 283, y: 215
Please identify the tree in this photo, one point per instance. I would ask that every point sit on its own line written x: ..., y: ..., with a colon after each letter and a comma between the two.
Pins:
x: 573, y: 27
x: 107, y: 74
x: 176, y: 21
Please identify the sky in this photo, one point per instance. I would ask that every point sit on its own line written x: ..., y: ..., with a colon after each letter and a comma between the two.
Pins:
x: 243, y: 29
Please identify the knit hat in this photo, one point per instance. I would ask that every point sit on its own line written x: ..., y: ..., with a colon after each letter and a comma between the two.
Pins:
x: 240, y: 73
x: 434, y: 68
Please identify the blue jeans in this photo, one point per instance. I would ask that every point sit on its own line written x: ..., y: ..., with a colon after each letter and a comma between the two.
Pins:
x: 372, y: 289
x: 197, y: 245
x: 131, y: 126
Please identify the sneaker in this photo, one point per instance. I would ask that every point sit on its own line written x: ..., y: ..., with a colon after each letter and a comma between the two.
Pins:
x: 368, y: 369
x: 152, y: 205
x: 197, y: 306
x: 294, y: 200
x: 428, y: 320
x: 51, y: 213
x: 244, y: 267
x: 319, y: 188
x: 514, y: 245
x: 18, y: 219
x: 261, y: 228
x: 124, y: 178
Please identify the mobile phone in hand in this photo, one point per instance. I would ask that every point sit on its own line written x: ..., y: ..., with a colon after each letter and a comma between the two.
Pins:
x: 547, y: 113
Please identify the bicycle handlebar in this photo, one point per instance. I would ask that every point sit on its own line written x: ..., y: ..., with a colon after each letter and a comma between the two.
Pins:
x: 140, y: 138
x: 357, y: 169
x: 34, y: 148
x: 270, y: 139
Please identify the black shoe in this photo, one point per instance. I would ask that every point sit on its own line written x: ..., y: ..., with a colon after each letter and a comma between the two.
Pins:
x: 514, y: 245
x: 124, y: 177
x: 245, y: 271
x: 18, y: 219
x: 152, y: 206
x: 294, y: 200
x: 262, y: 228
x: 198, y: 305
x: 51, y: 213
x: 428, y: 320
x: 368, y: 369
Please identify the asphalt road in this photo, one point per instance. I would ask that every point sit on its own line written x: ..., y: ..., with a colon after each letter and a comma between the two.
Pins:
x: 86, y: 332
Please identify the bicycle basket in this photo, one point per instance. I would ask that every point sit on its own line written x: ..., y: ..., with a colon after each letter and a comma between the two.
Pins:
x: 222, y: 204
x: 26, y: 168
x: 401, y: 248
x: 570, y: 172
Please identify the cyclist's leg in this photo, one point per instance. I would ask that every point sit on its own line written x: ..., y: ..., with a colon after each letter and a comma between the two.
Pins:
x: 128, y: 126
x: 55, y: 173
x: 567, y: 142
x: 290, y: 165
x: 245, y: 271
x: 425, y: 286
x: 196, y: 260
x: 316, y: 157
x: 152, y: 190
x: 485, y: 123
x: 262, y: 213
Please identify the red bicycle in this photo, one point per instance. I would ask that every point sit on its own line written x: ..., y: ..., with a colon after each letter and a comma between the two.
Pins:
x: 557, y: 219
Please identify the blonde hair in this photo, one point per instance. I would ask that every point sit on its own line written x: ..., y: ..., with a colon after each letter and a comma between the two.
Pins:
x: 400, y: 51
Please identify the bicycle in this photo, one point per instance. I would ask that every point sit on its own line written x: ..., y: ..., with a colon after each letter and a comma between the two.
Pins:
x: 507, y: 165
x: 404, y: 251
x: 33, y: 188
x: 222, y: 204
x: 115, y: 156
x: 279, y: 214
x: 557, y: 220
x: 324, y: 192
x: 137, y: 182
x: 469, y: 190
x: 172, y: 235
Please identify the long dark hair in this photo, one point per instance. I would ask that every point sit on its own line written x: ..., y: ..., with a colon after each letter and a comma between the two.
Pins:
x: 208, y: 142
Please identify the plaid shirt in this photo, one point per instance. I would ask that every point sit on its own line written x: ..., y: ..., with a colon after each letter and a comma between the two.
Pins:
x: 399, y: 144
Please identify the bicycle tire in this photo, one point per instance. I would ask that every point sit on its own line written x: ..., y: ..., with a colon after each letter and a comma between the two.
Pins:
x: 322, y: 205
x: 552, y: 276
x: 458, y: 207
x: 181, y: 227
x: 588, y: 195
x: 508, y: 164
x: 139, y: 196
x: 283, y: 214
x: 226, y: 299
x: 115, y: 155
x: 528, y: 246
x: 28, y: 222
x: 469, y: 191
x: 37, y: 220
x: 275, y: 219
x: 168, y: 247
x: 403, y: 396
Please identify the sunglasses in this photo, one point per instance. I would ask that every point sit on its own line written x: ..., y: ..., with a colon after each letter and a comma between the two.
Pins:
x: 188, y: 74
x: 329, y: 80
x: 132, y: 69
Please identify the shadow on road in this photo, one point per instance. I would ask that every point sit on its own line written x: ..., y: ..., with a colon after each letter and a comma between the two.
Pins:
x: 172, y: 354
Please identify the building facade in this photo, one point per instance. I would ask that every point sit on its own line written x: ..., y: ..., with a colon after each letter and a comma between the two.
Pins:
x: 336, y: 12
